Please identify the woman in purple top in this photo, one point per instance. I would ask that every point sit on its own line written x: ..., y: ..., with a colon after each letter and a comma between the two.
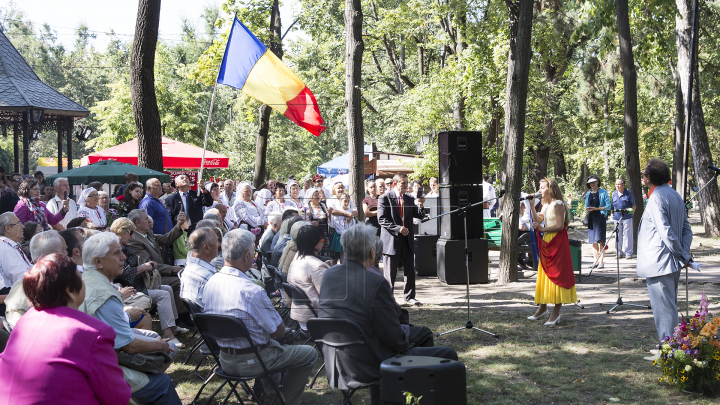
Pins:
x: 57, y: 354
x: 30, y: 208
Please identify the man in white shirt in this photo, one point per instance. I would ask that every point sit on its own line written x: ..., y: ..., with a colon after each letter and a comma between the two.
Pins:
x: 203, y: 245
x: 230, y: 292
x: 307, y: 191
x: 488, y: 192
x: 13, y: 262
x: 55, y: 204
x: 228, y: 194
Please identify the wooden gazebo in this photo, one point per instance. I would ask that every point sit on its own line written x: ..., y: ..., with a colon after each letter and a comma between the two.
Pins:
x: 31, y: 106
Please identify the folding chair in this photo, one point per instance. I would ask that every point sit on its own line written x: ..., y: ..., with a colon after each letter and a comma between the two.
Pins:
x: 219, y: 327
x: 301, y: 300
x: 343, y: 341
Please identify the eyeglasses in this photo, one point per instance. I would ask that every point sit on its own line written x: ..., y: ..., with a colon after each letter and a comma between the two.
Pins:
x: 318, y: 181
x: 16, y: 223
x: 16, y: 180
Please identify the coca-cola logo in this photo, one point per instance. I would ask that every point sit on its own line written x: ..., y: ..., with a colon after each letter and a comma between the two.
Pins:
x: 212, y: 162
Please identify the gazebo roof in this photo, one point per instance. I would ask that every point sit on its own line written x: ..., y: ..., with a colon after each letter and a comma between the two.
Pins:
x: 21, y: 88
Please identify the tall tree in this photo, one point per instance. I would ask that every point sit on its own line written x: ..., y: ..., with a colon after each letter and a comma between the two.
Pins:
x: 521, y: 15
x: 261, y: 146
x: 354, y: 48
x: 630, y: 124
x: 709, y: 198
x: 142, y: 85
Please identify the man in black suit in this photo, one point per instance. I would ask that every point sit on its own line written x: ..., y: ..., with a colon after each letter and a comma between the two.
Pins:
x: 9, y: 200
x: 351, y: 292
x: 188, y: 201
x: 396, y: 211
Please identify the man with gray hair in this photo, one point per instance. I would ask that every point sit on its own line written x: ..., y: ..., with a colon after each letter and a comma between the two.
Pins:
x: 230, y: 292
x: 45, y: 243
x: 203, y: 245
x: 55, y: 204
x: 42, y: 244
x: 351, y: 292
x: 13, y: 261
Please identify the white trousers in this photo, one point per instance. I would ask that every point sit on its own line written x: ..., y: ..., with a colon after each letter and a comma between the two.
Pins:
x: 165, y: 301
x: 625, y: 237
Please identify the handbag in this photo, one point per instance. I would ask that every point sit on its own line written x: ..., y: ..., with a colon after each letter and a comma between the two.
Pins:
x: 139, y: 300
x: 151, y: 362
x: 152, y: 279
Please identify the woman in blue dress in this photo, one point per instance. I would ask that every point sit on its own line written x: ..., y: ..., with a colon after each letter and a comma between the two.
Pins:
x: 597, y: 204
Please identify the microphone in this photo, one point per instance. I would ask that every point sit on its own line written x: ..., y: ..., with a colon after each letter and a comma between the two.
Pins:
x: 713, y: 168
x: 625, y: 211
x: 530, y: 196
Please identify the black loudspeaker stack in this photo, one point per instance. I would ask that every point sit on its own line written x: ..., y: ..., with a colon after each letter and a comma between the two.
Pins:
x: 460, y: 157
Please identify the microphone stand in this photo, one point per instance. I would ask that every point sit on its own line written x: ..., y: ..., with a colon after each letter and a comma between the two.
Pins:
x: 687, y: 210
x: 619, y: 301
x: 463, y: 212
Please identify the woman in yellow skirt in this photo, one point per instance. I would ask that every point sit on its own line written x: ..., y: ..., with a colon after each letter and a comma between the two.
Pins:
x: 555, y: 277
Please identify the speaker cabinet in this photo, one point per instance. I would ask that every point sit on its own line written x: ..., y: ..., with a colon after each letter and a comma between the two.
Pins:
x: 426, y: 255
x: 438, y: 381
x: 432, y: 208
x: 454, y: 197
x: 451, y: 261
x: 459, y: 158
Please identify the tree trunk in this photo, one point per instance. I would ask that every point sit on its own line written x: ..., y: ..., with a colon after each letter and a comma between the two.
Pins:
x: 492, y: 134
x: 264, y: 120
x: 354, y: 47
x: 677, y: 163
x: 630, y: 126
x: 521, y: 14
x: 142, y: 86
x: 709, y: 198
x: 559, y: 164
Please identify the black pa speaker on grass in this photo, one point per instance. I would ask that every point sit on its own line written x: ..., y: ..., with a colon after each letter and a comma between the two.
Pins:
x: 438, y: 381
x: 451, y: 261
x: 460, y: 153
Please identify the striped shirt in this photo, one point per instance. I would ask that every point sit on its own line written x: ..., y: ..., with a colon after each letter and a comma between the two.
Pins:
x: 230, y: 292
x: 194, y: 277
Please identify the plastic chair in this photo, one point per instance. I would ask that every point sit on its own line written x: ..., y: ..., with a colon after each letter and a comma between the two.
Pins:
x: 337, y: 339
x: 219, y: 327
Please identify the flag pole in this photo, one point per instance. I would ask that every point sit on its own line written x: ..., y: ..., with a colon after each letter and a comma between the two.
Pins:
x: 207, y: 129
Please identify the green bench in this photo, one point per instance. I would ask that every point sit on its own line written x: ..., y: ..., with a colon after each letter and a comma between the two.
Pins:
x: 493, y: 234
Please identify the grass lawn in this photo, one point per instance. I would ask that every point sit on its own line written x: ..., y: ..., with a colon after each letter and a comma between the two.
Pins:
x: 590, y: 358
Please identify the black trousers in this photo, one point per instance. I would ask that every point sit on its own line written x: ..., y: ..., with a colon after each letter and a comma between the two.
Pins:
x: 405, y: 257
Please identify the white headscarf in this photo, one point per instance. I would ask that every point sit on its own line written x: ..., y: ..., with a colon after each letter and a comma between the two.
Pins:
x: 83, y: 196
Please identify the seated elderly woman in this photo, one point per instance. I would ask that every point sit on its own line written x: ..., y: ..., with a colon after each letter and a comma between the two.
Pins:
x: 30, y: 208
x: 275, y: 220
x: 90, y: 209
x: 306, y: 270
x: 136, y: 276
x: 57, y: 354
x: 103, y: 259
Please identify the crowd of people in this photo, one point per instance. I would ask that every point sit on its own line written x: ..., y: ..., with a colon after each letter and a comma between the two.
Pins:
x: 80, y: 278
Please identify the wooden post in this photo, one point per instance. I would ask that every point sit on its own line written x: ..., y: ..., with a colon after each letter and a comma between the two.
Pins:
x: 26, y: 147
x: 68, y: 132
x: 60, y: 123
x: 16, y: 146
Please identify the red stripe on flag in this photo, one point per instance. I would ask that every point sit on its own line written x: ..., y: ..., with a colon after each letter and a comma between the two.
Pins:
x: 304, y: 111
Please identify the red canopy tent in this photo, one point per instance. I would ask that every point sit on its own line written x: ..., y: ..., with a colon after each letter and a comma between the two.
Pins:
x: 176, y: 155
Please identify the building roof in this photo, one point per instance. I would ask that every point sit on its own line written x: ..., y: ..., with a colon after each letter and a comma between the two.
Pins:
x: 21, y: 88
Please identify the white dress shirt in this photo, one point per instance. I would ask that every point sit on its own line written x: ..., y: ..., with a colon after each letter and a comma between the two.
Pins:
x: 194, y: 277
x: 55, y: 205
x: 488, y: 192
x: 13, y: 262
x: 230, y: 292
x: 227, y: 201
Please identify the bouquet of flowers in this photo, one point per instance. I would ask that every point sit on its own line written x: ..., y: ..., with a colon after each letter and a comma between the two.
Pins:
x: 303, y: 211
x: 256, y: 231
x: 690, y: 359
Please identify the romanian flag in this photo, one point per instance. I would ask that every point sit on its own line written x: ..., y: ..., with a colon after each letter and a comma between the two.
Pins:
x: 249, y: 66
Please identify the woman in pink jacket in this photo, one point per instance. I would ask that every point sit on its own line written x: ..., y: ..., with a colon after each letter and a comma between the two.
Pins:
x: 30, y: 208
x: 57, y: 354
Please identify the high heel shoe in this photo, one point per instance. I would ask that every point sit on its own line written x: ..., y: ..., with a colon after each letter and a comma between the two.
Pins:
x: 553, y: 323
x: 535, y: 318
